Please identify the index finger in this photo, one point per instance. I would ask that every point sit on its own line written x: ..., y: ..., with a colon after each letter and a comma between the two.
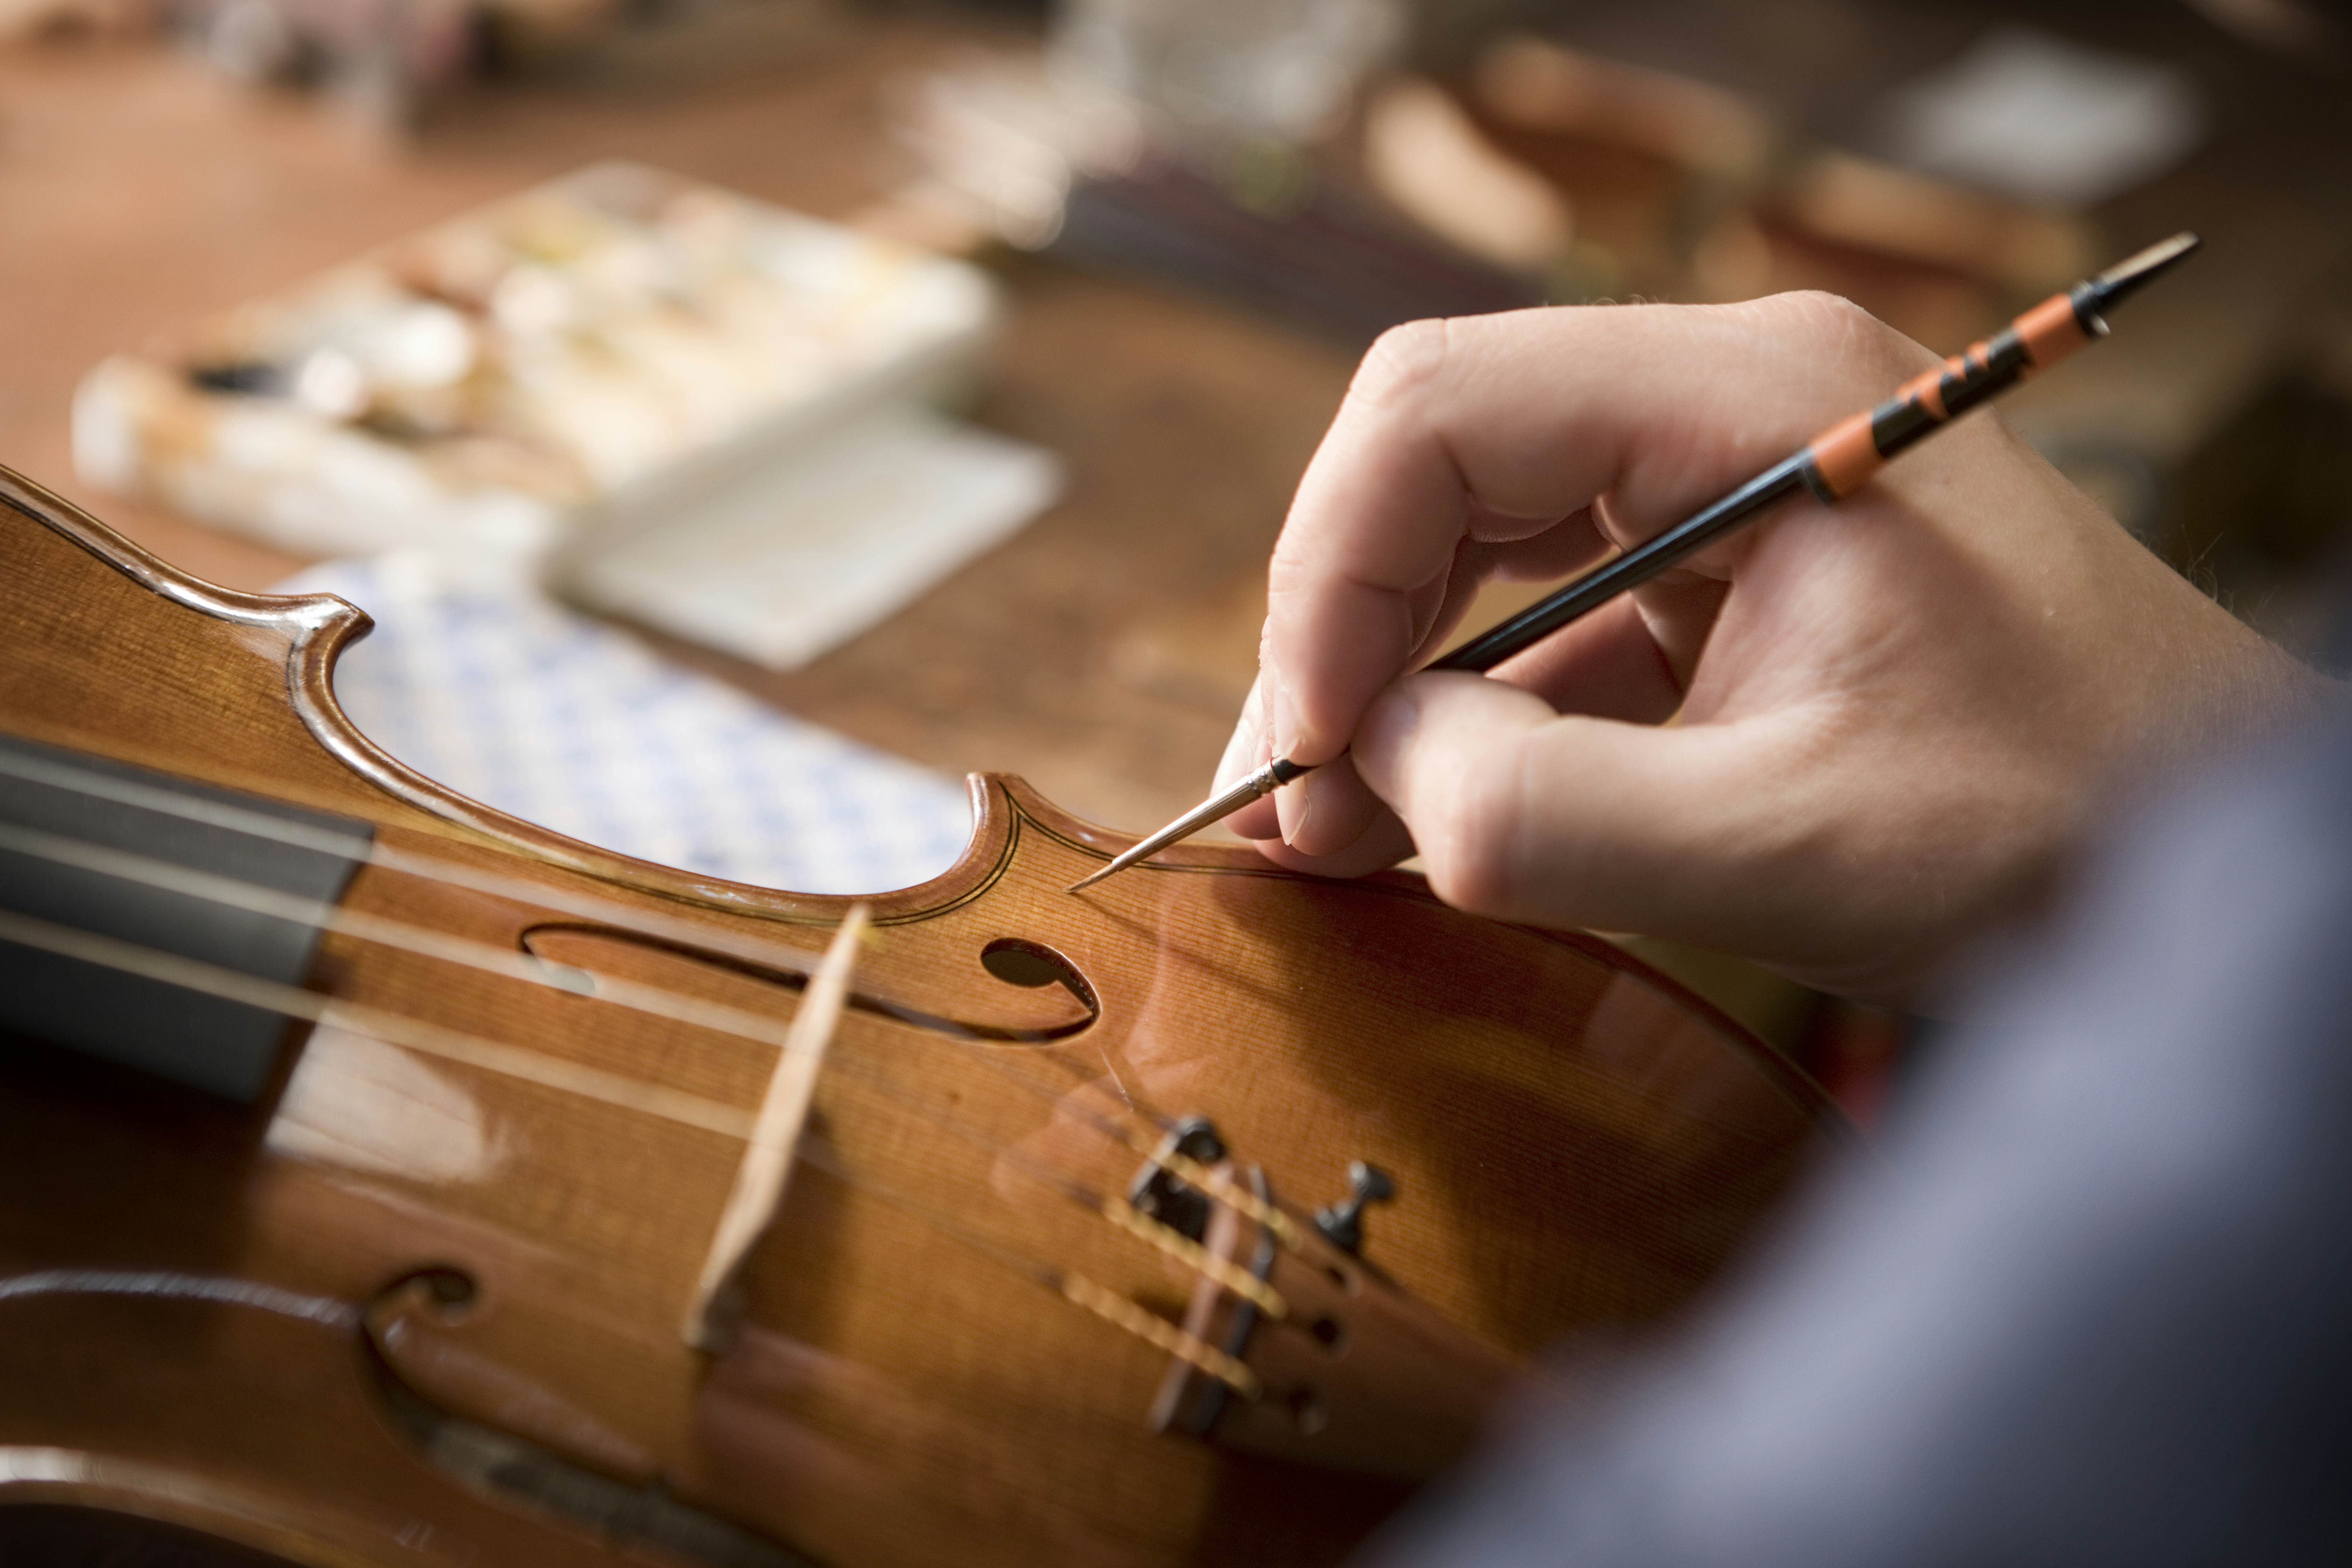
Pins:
x: 1533, y: 413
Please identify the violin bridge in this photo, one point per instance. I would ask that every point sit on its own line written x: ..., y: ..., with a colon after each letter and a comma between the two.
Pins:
x: 766, y: 1167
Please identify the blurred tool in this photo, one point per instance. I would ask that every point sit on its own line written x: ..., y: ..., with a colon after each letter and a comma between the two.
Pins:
x: 1833, y: 466
x: 2304, y: 28
x: 1045, y: 157
x: 32, y: 18
x: 1427, y: 155
x: 1683, y: 188
x: 394, y: 60
x: 1218, y: 72
x: 1317, y: 259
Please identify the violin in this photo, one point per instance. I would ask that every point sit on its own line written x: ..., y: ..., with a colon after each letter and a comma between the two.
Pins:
x: 366, y: 1149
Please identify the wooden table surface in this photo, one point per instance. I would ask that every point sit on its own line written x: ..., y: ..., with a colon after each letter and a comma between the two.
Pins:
x: 1102, y: 654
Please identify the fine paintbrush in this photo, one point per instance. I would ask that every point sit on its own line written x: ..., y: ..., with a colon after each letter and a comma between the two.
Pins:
x: 1834, y: 465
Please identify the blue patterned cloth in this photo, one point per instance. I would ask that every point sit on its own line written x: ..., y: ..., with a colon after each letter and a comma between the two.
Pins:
x: 519, y: 703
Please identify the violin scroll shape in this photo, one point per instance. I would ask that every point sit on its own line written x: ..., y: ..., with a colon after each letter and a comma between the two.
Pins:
x: 1043, y: 1279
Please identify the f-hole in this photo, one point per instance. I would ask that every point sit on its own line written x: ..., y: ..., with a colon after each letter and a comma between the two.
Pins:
x: 557, y: 944
x: 1019, y: 962
x: 66, y: 1535
x: 638, y: 1520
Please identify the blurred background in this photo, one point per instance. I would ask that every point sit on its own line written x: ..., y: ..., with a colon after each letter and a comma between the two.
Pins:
x: 743, y: 418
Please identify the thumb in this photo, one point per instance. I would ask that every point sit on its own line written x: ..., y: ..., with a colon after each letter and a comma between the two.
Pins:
x: 1523, y: 814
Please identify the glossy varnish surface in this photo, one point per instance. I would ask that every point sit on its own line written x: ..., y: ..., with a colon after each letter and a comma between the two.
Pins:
x: 1576, y: 1142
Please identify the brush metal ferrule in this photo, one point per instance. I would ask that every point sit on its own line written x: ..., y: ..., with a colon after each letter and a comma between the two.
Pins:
x: 1216, y: 808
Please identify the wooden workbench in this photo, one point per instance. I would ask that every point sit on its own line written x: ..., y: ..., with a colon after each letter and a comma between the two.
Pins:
x: 1102, y: 654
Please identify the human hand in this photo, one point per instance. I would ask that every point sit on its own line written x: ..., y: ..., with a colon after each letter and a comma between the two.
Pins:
x: 1893, y: 716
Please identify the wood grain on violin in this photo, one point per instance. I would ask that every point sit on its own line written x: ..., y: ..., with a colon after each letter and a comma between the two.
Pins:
x: 1046, y: 1283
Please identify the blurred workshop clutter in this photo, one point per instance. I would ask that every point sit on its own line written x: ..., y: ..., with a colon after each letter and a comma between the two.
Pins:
x: 689, y: 407
x: 706, y: 414
x: 394, y: 61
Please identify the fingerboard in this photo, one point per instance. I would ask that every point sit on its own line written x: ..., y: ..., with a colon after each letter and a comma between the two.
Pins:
x: 64, y: 804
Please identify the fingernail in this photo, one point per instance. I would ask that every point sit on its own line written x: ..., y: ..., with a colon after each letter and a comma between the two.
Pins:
x: 1294, y: 807
x: 1283, y: 719
x: 1244, y: 753
x: 1388, y: 728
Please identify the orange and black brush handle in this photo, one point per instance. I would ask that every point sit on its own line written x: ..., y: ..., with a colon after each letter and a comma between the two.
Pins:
x: 1844, y: 456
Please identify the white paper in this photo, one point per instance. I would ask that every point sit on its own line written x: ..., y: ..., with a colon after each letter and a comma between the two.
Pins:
x: 782, y: 562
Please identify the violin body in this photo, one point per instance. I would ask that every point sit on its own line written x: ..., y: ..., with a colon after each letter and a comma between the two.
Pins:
x: 407, y: 1309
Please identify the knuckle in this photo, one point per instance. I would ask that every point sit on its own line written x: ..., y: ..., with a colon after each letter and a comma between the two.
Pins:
x: 1401, y: 361
x: 1819, y: 313
x: 1850, y: 355
x: 1294, y: 572
x: 1837, y: 328
x: 1471, y: 850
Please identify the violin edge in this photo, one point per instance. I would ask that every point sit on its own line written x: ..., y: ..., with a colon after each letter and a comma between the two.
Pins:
x: 317, y: 628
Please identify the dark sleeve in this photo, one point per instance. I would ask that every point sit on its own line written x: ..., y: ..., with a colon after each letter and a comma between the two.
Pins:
x: 2096, y: 1306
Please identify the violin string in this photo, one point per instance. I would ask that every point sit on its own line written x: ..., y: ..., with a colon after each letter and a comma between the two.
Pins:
x: 756, y: 955
x: 1214, y: 1182
x: 412, y: 1034
x: 230, y: 892
x: 1120, y: 1310
x: 718, y: 1017
x: 1216, y: 1185
x: 556, y: 1073
x: 1156, y: 1233
x: 223, y: 775
x: 798, y: 962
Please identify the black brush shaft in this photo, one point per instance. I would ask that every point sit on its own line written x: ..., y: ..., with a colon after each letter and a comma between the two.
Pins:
x: 1628, y: 571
